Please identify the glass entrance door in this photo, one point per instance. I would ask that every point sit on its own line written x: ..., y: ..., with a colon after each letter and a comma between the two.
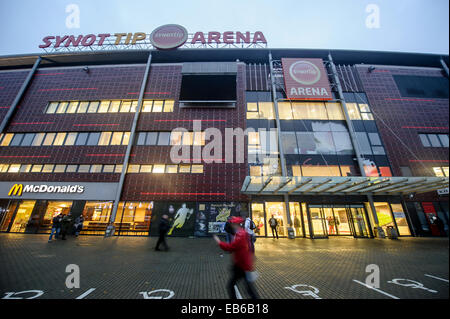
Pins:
x: 358, y: 221
x: 318, y: 221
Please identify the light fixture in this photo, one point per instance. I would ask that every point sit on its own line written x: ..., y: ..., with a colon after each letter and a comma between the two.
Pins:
x: 86, y: 69
x: 371, y: 68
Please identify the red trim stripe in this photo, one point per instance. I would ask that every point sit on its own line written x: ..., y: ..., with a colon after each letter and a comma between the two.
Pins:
x: 4, y: 107
x: 94, y: 124
x: 30, y: 123
x: 104, y: 154
x: 412, y: 100
x: 187, y: 194
x: 427, y: 127
x: 67, y: 89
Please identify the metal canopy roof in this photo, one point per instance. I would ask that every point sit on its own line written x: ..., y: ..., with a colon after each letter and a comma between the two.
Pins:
x: 331, y: 185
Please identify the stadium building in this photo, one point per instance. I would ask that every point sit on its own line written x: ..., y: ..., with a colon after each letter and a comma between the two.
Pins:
x: 337, y: 143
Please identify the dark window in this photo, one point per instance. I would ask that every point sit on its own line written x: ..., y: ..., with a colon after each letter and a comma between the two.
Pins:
x: 27, y: 139
x: 422, y: 86
x: 141, y: 138
x: 406, y: 171
x: 93, y: 138
x: 81, y: 138
x: 16, y: 140
x: 208, y: 88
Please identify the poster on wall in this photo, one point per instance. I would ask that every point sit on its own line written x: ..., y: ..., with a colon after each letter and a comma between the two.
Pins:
x: 211, y: 217
x: 181, y: 218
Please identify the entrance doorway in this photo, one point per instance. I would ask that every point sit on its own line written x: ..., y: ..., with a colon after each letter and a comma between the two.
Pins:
x: 338, y: 220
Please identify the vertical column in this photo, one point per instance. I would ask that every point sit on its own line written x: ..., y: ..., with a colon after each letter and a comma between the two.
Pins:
x: 354, y: 140
x: 280, y: 145
x: 19, y: 95
x: 131, y: 140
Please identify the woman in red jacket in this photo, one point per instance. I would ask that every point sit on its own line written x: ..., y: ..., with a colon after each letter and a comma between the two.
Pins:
x: 242, y: 257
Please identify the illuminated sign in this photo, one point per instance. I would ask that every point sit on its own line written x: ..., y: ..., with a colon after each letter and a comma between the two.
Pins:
x: 169, y: 36
x: 19, y: 189
x: 306, y: 79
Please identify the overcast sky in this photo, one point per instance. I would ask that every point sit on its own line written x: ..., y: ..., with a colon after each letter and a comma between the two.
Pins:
x: 403, y: 25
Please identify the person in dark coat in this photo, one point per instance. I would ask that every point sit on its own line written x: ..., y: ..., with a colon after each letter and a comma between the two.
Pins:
x: 78, y: 225
x: 65, y: 225
x: 56, y: 227
x: 164, y: 227
x: 243, y: 258
x: 273, y: 226
x: 228, y: 230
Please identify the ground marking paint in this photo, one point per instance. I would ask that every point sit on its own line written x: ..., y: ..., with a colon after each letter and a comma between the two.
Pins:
x: 238, y: 293
x: 146, y: 294
x: 9, y: 295
x: 410, y: 283
x: 438, y: 278
x: 85, y: 294
x: 376, y: 289
x: 313, y: 292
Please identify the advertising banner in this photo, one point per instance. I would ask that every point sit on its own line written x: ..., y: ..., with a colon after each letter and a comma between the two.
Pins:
x: 306, y: 79
x: 211, y: 217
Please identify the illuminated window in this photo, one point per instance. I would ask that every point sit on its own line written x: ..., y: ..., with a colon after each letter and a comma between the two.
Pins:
x: 134, y: 105
x: 59, y: 140
x: 253, y: 138
x: 296, y: 171
x: 175, y: 138
x: 171, y: 169
x: 70, y: 140
x: 146, y: 168
x: 184, y: 168
x: 4, y: 168
x: 84, y: 168
x: 158, y: 169
x: 114, y: 107
x: 197, y: 169
x: 126, y: 138
x: 14, y: 168
x: 7, y: 139
x: 252, y: 107
x: 96, y: 168
x: 199, y: 138
x: 104, y: 138
x: 440, y: 171
x: 104, y: 105
x: 93, y: 106
x: 385, y: 171
x: 125, y: 106
x: 48, y: 168
x: 59, y: 168
x: 118, y: 168
x: 116, y: 138
x: 72, y: 107
x: 157, y: 106
x: 132, y: 168
x: 168, y: 106
x: 82, y: 108
x: 108, y: 168
x: 353, y: 111
x: 255, y: 170
x: 188, y: 138
x: 266, y: 110
x: 321, y: 170
x: 334, y: 111
x: 147, y: 106
x: 71, y: 168
x: 36, y: 168
x: 51, y: 108
x: 285, y: 111
x: 62, y: 107
x: 49, y: 137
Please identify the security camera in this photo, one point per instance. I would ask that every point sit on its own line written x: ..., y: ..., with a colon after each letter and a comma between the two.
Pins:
x: 371, y: 68
x: 86, y: 69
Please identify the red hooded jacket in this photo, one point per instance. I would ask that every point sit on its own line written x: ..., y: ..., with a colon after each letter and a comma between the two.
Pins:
x: 242, y: 256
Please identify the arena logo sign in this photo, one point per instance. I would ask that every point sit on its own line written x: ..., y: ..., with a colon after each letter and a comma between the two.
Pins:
x: 169, y: 36
x: 19, y: 189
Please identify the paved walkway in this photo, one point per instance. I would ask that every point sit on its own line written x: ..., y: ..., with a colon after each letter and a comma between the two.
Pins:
x: 127, y: 267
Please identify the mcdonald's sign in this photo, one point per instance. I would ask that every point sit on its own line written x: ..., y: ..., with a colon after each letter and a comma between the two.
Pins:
x: 16, y: 190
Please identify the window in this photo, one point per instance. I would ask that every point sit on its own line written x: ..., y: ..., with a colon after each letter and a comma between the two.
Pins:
x: 289, y: 143
x: 158, y: 169
x: 255, y: 170
x: 422, y: 86
x: 93, y: 106
x: 93, y: 139
x: 157, y: 106
x: 353, y: 111
x: 164, y: 138
x: 168, y: 106
x: 151, y: 138
x: 48, y: 168
x: 184, y: 168
x: 104, y: 105
x: 441, y: 171
x: 14, y: 168
x: 197, y: 169
x: 147, y: 106
x: 72, y: 108
x: 284, y: 111
x: 84, y: 168
x: 146, y: 168
x: 133, y: 168
x: 25, y: 168
x: 27, y: 139
x: 321, y: 170
x: 81, y: 138
x: 125, y: 106
x: 114, y: 107
x: 342, y: 143
x: 59, y: 168
x: 62, y: 107
x: 38, y: 138
x: 82, y: 108
x: 334, y: 111
x: 260, y: 110
x: 16, y: 140
x: 116, y: 138
x: 70, y: 140
x: 141, y: 138
x: 406, y: 171
x: 59, y: 139
x: 108, y: 168
x: 36, y: 168
x: 71, y: 168
x: 104, y: 138
x: 48, y: 140
x: 4, y: 168
x: 171, y: 169
x: 51, y: 108
x: 363, y: 143
x: 96, y: 168
x: 7, y: 139
x: 434, y: 140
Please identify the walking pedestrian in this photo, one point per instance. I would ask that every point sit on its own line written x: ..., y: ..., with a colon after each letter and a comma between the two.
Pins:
x: 242, y: 258
x: 163, y: 229
x: 56, y: 227
x: 228, y: 230
x: 65, y: 225
x: 273, y: 226
x: 78, y: 225
x: 249, y: 227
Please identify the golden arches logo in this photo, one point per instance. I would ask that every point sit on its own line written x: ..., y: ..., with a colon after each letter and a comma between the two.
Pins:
x: 16, y: 190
